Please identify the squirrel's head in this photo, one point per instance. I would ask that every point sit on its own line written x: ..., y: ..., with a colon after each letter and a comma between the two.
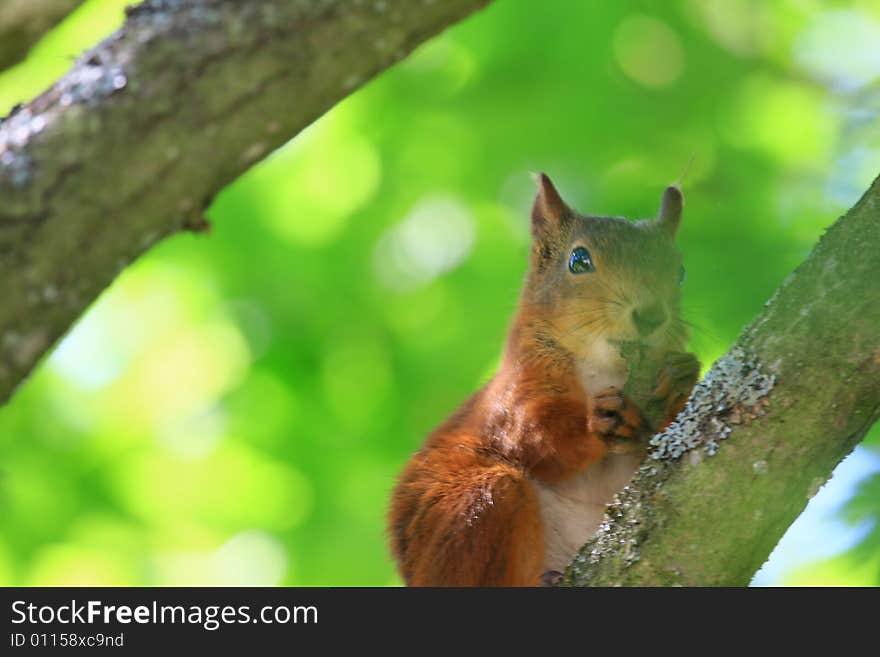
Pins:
x: 606, y: 278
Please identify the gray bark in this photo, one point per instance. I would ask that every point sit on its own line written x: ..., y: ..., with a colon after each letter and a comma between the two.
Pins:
x: 132, y: 144
x: 761, y: 433
x: 24, y: 22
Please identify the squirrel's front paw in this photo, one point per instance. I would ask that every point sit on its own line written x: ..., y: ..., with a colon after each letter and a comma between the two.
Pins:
x: 678, y: 375
x: 615, y: 417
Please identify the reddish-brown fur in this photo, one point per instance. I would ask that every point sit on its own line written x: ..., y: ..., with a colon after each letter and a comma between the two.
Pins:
x: 465, y: 511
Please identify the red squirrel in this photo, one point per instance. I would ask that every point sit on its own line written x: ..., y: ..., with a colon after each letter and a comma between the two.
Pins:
x: 508, y: 488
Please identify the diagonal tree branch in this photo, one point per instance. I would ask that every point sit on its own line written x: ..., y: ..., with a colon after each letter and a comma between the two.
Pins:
x: 793, y: 396
x: 24, y: 22
x: 132, y: 144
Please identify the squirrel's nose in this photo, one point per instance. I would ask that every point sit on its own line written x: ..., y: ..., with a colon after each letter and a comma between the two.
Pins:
x: 648, y: 319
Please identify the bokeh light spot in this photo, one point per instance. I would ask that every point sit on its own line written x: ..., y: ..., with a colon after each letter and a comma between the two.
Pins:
x: 250, y: 558
x: 319, y: 187
x: 786, y: 120
x: 737, y: 25
x: 194, y: 436
x: 76, y: 565
x: 232, y: 486
x: 648, y: 51
x: 185, y: 372
x: 443, y: 64
x: 435, y: 237
x: 841, y: 47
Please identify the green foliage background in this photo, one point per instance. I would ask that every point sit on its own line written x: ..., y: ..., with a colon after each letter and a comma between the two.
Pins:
x: 235, y: 408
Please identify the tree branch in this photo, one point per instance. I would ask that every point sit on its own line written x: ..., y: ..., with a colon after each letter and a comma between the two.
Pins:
x: 132, y: 144
x: 793, y: 396
x: 24, y: 22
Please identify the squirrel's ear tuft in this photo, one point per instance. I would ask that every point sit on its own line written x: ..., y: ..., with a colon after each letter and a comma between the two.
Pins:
x: 670, y: 208
x: 549, y: 210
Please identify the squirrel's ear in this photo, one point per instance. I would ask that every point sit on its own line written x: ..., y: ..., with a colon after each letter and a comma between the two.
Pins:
x: 670, y: 208
x: 549, y: 210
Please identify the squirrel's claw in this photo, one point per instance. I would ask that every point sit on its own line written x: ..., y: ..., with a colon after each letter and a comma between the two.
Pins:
x: 615, y: 417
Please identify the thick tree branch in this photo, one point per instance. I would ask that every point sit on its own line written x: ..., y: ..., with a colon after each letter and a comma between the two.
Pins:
x: 761, y: 433
x: 24, y: 22
x: 132, y: 144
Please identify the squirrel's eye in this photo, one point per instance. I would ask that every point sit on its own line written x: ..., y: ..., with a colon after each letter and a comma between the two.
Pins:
x: 682, y: 274
x: 580, y: 262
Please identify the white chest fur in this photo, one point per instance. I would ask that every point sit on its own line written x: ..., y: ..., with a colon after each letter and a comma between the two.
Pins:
x: 602, y: 367
x: 572, y: 510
